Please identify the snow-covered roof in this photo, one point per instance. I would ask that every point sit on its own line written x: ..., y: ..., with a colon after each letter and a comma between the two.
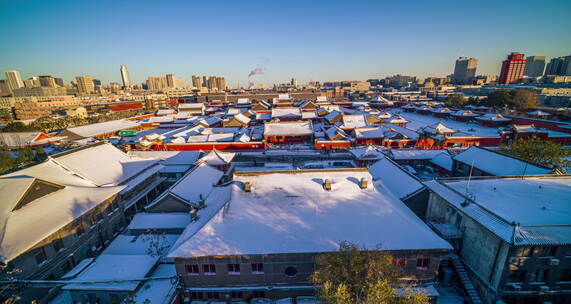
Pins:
x: 142, y: 244
x: 292, y: 213
x: 195, y: 185
x: 116, y: 272
x: 287, y: 129
x: 169, y: 158
x: 242, y: 118
x: 89, y: 163
x: 443, y: 160
x: 539, y: 113
x: 398, y: 154
x: 21, y: 139
x: 218, y: 158
x: 398, y: 119
x: 73, y: 196
x: 190, y: 106
x: 308, y: 115
x: 394, y: 178
x: 286, y: 113
x: 367, y: 153
x: 101, y: 128
x: 160, y: 288
x: 493, y: 117
x: 529, y: 211
x: 438, y: 128
x: 373, y: 132
x: 354, y: 121
x: 498, y: 164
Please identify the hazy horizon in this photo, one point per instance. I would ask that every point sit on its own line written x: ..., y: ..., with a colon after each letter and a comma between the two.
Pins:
x: 319, y: 40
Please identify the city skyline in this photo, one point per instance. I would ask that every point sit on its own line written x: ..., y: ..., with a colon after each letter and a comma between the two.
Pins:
x: 322, y: 41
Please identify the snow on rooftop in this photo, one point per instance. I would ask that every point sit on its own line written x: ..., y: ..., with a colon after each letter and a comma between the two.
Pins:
x: 197, y: 184
x: 398, y: 154
x: 169, y: 158
x: 498, y: 164
x: 288, y: 129
x: 23, y: 228
x: 89, y: 163
x: 528, y: 211
x: 113, y: 272
x: 103, y: 127
x: 159, y: 289
x: 443, y: 160
x: 288, y: 213
x: 354, y: 121
x: 286, y: 112
x: 218, y: 158
x: 144, y: 244
x: 394, y: 178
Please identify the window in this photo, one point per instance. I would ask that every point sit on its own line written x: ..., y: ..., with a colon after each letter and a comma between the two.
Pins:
x: 196, y: 295
x: 257, y: 268
x: 523, y: 251
x: 58, y: 245
x: 209, y: 269
x: 233, y: 269
x: 541, y: 251
x: 212, y: 295
x: 259, y: 294
x: 236, y: 294
x: 191, y: 269
x: 565, y: 275
x: 516, y: 276
x: 290, y: 271
x: 41, y: 256
x: 399, y: 262
x: 423, y: 263
x: 539, y: 275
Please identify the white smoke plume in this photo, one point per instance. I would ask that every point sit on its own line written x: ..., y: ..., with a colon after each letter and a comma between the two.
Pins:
x: 256, y: 71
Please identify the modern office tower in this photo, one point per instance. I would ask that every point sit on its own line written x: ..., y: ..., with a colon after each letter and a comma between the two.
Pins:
x: 48, y: 81
x: 465, y: 70
x: 535, y: 66
x: 14, y: 80
x: 125, y: 76
x: 205, y: 81
x: 96, y: 82
x: 85, y: 85
x: 196, y: 81
x: 293, y: 82
x: 156, y: 83
x: 29, y: 83
x: 512, y: 69
x: 59, y: 81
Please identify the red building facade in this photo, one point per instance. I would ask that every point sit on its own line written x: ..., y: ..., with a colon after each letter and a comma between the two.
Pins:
x: 512, y: 68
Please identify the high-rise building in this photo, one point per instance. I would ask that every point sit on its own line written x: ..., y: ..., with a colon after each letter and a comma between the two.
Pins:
x: 205, y: 81
x: 559, y: 66
x: 4, y: 88
x: 125, y: 76
x: 294, y: 82
x: 196, y: 81
x: 465, y: 70
x: 14, y: 80
x: 535, y: 66
x: 220, y: 83
x: 59, y: 81
x: 85, y: 85
x: 171, y: 79
x: 512, y: 68
x: 48, y: 81
x: 156, y: 83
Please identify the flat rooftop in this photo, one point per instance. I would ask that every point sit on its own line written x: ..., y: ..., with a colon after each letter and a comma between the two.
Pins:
x: 290, y: 212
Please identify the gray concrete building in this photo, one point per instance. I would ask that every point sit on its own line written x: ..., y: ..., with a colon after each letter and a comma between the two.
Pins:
x: 535, y: 66
x: 513, y: 234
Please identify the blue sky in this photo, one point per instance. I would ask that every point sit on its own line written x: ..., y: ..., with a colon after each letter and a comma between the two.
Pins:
x: 308, y: 40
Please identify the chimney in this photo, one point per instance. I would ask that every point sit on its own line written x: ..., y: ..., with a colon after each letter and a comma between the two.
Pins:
x: 364, y: 183
x: 193, y: 214
x: 248, y: 187
x: 327, y: 184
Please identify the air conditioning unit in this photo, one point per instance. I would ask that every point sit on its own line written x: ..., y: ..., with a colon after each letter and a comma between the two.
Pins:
x: 543, y: 288
x: 553, y: 262
x: 513, y: 260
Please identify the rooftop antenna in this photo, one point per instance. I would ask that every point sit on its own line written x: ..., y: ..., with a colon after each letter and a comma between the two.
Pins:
x: 469, y: 177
